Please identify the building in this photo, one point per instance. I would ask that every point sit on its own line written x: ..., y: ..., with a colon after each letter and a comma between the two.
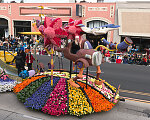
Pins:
x: 134, y: 19
x: 18, y: 17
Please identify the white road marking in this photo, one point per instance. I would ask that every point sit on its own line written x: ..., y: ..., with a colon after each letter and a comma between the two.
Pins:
x: 26, y: 116
x: 91, y: 71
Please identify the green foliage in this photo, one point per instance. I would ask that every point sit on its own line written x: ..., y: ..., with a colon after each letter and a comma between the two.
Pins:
x: 31, y: 88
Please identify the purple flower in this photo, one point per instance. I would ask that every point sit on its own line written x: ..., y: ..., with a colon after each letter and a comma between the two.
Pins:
x: 57, y: 103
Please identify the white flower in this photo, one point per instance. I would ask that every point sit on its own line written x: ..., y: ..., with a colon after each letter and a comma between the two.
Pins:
x: 7, y: 86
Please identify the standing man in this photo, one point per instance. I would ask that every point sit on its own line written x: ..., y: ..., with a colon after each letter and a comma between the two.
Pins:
x: 29, y: 60
x: 19, y: 63
x: 22, y: 38
x: 23, y: 54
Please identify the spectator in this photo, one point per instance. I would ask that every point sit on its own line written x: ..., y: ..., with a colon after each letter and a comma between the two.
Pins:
x: 144, y: 60
x: 1, y: 44
x: 135, y: 58
x: 23, y: 54
x: 19, y: 63
x: 28, y: 39
x: 92, y: 43
x: 139, y: 60
x: 125, y: 60
x: 113, y: 59
x: 130, y: 60
x: 134, y: 47
x: 5, y: 43
x: 31, y: 42
x: 11, y: 37
x: 22, y: 38
x: 3, y: 39
x: 119, y: 60
x: 107, y: 56
x: 29, y: 60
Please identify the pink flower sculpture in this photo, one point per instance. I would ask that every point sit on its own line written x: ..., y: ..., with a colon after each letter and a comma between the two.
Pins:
x: 73, y: 29
x: 52, y: 31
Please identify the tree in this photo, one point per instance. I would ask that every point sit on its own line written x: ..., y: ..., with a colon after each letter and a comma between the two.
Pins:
x: 12, y: 1
x: 21, y: 1
x: 1, y: 1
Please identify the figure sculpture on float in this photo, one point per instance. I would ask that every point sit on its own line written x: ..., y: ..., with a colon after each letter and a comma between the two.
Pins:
x: 99, y: 30
x: 73, y: 29
x: 83, y: 57
x: 53, y: 32
x: 88, y: 57
x: 3, y: 74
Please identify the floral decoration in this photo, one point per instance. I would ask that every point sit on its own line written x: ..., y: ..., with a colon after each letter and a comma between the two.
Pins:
x: 22, y: 85
x: 78, y: 104
x: 99, y: 102
x: 57, y: 103
x: 39, y: 98
x: 31, y: 88
x: 62, y: 98
x: 7, y: 84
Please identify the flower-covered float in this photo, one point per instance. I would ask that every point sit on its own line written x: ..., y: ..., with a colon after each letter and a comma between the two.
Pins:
x: 60, y: 92
x: 6, y: 84
x: 37, y: 93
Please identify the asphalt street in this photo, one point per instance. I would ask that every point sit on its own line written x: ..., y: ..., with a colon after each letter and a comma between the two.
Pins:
x: 134, y: 80
x: 12, y: 109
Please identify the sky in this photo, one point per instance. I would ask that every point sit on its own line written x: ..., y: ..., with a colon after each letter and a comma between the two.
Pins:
x: 64, y: 1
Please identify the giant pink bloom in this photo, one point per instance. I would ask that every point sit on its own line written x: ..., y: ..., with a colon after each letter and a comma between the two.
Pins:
x: 73, y: 29
x: 52, y: 31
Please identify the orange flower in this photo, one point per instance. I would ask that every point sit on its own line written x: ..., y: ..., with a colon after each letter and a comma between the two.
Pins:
x: 22, y: 85
x: 98, y: 101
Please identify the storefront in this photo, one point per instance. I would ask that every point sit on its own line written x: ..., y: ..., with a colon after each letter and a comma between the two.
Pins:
x: 21, y: 15
x: 133, y: 17
x: 3, y: 27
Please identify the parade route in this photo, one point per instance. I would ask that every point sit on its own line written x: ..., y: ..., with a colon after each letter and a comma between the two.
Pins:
x: 136, y: 106
x: 12, y: 109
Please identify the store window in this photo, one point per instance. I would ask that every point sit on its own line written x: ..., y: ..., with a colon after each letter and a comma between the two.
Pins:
x: 3, y: 27
x: 96, y: 40
x: 140, y: 43
x: 22, y: 26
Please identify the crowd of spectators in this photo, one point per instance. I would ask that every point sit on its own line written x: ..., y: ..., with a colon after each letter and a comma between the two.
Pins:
x: 129, y: 58
x: 20, y: 43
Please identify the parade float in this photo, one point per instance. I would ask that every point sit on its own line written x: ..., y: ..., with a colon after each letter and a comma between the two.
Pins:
x: 6, y: 83
x: 60, y: 92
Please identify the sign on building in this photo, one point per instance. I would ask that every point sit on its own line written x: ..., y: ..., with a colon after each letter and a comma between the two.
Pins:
x: 97, y: 8
x: 2, y: 7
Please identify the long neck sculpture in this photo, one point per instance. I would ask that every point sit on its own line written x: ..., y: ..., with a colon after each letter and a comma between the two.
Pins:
x: 123, y: 45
